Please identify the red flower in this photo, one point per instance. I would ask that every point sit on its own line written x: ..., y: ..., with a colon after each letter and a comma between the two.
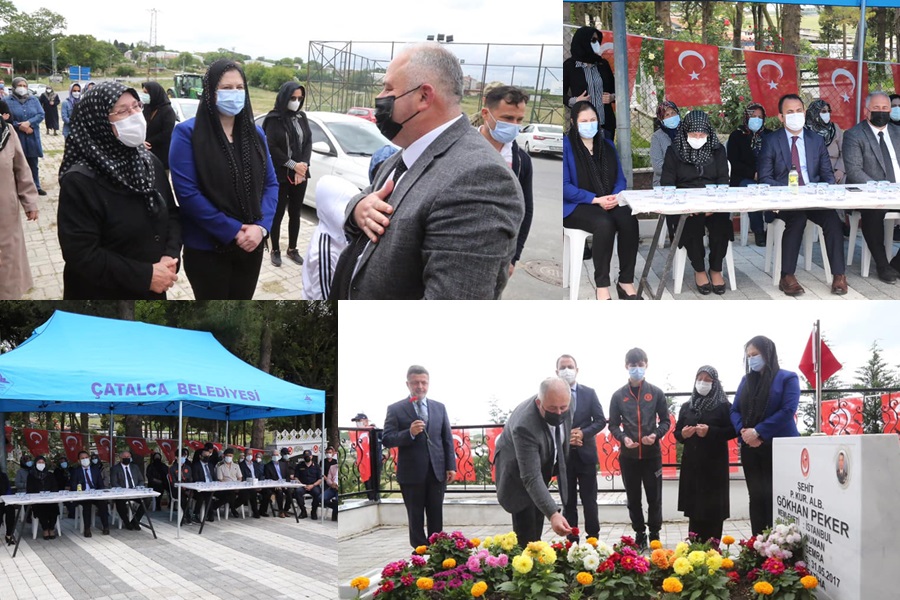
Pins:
x: 741, y: 98
x: 727, y: 22
x: 773, y: 566
x: 752, y: 575
x: 407, y: 579
x: 734, y: 576
x: 628, y: 541
x: 575, y: 531
x: 387, y: 585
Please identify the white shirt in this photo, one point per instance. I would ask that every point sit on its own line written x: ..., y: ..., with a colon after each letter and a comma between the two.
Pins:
x: 553, y: 437
x: 801, y: 151
x: 890, y: 147
x: 411, y: 154
x: 127, y: 476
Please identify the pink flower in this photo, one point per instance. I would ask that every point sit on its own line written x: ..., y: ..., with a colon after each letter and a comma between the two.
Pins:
x: 418, y: 561
x: 474, y: 564
x: 503, y: 560
x: 773, y: 566
x: 741, y: 98
x: 407, y: 579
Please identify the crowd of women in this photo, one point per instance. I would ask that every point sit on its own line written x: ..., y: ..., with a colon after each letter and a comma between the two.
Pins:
x: 684, y: 152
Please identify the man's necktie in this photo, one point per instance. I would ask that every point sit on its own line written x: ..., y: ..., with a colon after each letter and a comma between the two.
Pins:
x: 574, y: 401
x: 422, y: 411
x: 795, y: 159
x: 889, y: 174
x: 557, y: 435
x: 129, y: 482
x: 87, y: 478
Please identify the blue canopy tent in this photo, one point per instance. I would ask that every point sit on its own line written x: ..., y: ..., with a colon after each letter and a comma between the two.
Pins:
x: 78, y: 363
x: 621, y: 61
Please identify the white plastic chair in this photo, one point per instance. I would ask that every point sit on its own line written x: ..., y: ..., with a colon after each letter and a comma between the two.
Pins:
x: 681, y: 260
x: 573, y: 251
x: 773, y: 249
x: 890, y: 219
x: 35, y: 522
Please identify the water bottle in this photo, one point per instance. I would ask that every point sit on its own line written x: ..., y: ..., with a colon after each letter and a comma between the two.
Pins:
x: 794, y: 181
x: 78, y: 489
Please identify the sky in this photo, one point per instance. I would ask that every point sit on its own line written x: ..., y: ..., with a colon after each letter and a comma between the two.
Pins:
x: 478, y: 351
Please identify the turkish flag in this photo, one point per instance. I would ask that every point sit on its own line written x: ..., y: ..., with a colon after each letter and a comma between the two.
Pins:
x: 830, y: 364
x: 669, y: 448
x: 692, y: 74
x: 465, y: 468
x: 770, y: 76
x: 359, y: 441
x: 9, y: 444
x: 138, y: 446
x: 104, y: 448
x: 169, y: 449
x: 492, y: 434
x: 195, y: 444
x: 838, y: 87
x: 896, y: 70
x: 734, y: 455
x: 37, y: 440
x: 241, y: 448
x: 73, y: 443
x: 634, y: 54
x: 890, y: 412
x: 842, y: 417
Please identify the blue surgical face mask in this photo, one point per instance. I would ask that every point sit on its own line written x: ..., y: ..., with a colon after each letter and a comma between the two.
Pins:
x: 230, y: 102
x: 595, y: 46
x: 503, y: 132
x: 756, y: 363
x: 672, y: 122
x: 636, y: 373
x: 64, y: 465
x: 755, y: 124
x: 182, y: 459
x: 895, y: 113
x: 588, y: 130
x: 29, y: 463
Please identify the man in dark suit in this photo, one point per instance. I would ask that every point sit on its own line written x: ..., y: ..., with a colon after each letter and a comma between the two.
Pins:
x: 442, y: 217
x: 85, y: 477
x: 279, y: 469
x: 183, y: 465
x: 126, y: 474
x: 871, y: 153
x: 426, y: 462
x: 581, y: 462
x: 250, y: 469
x: 795, y: 147
x: 529, y: 452
x: 204, y: 471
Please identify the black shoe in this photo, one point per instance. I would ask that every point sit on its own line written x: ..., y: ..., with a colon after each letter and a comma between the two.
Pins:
x: 10, y: 540
x: 211, y: 517
x: 105, y: 531
x: 276, y: 258
x: 704, y: 289
x: 256, y: 515
x: 717, y: 290
x: 46, y: 536
x: 303, y: 514
x: 128, y: 526
x: 87, y: 532
x: 135, y: 526
x: 887, y: 274
x: 640, y: 541
x: 42, y: 193
x: 295, y: 256
x: 314, y: 515
x: 654, y: 536
x: 760, y: 238
x: 234, y: 514
x: 623, y: 295
x: 264, y: 514
x: 53, y: 536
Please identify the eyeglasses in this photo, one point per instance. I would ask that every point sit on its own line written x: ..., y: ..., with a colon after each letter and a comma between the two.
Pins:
x: 825, y: 110
x: 124, y: 112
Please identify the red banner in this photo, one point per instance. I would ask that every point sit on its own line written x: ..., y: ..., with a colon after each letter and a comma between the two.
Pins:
x: 359, y: 441
x: 890, y: 411
x: 830, y: 364
x: 608, y: 454
x: 73, y: 443
x: 218, y: 446
x: 138, y: 446
x: 842, y: 417
x: 734, y: 454
x: 465, y: 468
x: 37, y: 440
x: 104, y: 449
x: 838, y: 87
x: 395, y: 456
x: 634, y: 55
x: 669, y: 448
x: 194, y: 444
x: 168, y: 448
x: 692, y: 74
x: 9, y: 437
x: 771, y: 76
x: 492, y: 434
x: 896, y: 70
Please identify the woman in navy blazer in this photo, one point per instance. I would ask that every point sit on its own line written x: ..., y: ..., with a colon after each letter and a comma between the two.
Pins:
x: 764, y: 408
x: 592, y: 176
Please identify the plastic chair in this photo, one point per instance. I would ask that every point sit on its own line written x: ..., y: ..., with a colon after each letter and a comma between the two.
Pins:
x: 890, y: 219
x: 573, y: 251
x: 35, y: 523
x: 79, y: 517
x: 681, y: 260
x: 773, y: 249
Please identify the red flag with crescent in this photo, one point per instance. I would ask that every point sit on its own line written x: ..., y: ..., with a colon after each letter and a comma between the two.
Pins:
x: 169, y: 449
x: 734, y: 455
x: 890, y: 412
x: 828, y: 362
x: 104, y: 448
x: 195, y: 444
x: 73, y: 443
x: 634, y: 54
x: 842, y: 417
x: 669, y: 448
x: 138, y: 446
x: 492, y: 434
x: 9, y: 437
x: 770, y: 76
x: 359, y: 441
x: 465, y: 468
x: 218, y: 446
x: 838, y: 87
x: 692, y: 74
x: 37, y: 440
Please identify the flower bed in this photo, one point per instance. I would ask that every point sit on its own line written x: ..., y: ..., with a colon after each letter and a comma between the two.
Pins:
x: 454, y: 567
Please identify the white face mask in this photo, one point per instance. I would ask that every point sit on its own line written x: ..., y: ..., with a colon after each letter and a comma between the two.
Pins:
x: 595, y: 46
x: 567, y: 375
x: 329, y: 456
x: 228, y: 459
x: 85, y: 462
x: 259, y: 459
x: 145, y: 97
x: 132, y: 130
x: 703, y: 387
x: 294, y: 105
x: 794, y: 121
x: 826, y: 117
x: 276, y: 458
x: 22, y: 91
x: 182, y: 459
x: 40, y: 466
x: 697, y: 143
x: 76, y: 95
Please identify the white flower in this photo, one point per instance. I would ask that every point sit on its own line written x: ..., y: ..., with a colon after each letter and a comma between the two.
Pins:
x: 591, y: 562
x: 651, y: 56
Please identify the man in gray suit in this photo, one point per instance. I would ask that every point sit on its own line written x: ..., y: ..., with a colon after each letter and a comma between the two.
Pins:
x: 530, y: 451
x: 441, y: 219
x: 126, y: 474
x: 871, y: 153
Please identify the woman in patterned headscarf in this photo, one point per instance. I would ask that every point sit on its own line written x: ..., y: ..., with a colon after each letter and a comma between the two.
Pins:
x: 587, y: 77
x: 695, y: 159
x: 667, y: 121
x: 818, y: 120
x: 118, y: 222
x: 744, y: 146
x: 704, y: 427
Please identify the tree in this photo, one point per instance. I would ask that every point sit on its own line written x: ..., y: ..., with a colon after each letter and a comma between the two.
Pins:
x: 790, y: 28
x: 664, y: 17
x: 497, y: 414
x: 876, y: 373
x: 28, y: 35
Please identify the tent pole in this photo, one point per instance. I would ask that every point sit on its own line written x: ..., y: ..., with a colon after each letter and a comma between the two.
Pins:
x: 112, y: 438
x: 861, y: 43
x: 3, y: 466
x: 321, y: 464
x: 623, y: 89
x: 178, y: 461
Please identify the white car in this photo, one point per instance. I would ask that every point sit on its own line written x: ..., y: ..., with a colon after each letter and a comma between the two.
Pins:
x: 539, y: 138
x: 185, y: 108
x: 37, y: 88
x: 343, y: 146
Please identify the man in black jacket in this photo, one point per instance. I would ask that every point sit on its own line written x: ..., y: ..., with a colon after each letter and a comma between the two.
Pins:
x: 310, y: 475
x: 85, y: 477
x: 581, y: 463
x: 280, y: 470
x: 638, y: 419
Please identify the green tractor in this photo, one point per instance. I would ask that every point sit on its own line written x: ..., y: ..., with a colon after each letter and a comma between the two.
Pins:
x: 187, y: 85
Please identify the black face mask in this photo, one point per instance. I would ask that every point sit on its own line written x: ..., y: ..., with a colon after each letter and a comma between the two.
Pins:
x: 553, y: 419
x: 879, y: 118
x: 384, y: 112
x: 126, y: 461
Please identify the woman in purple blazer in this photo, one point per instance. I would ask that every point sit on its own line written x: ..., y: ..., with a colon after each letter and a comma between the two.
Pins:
x: 764, y: 408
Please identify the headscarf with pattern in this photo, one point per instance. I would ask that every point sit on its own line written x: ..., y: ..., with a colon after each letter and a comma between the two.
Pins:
x: 755, y: 136
x: 714, y: 398
x: 696, y: 121
x: 5, y: 126
x: 815, y: 123
x: 661, y: 115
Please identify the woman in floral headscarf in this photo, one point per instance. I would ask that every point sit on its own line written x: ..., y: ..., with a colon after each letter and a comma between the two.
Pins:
x: 704, y: 427
x: 744, y: 146
x: 695, y: 159
x: 818, y: 120
x: 667, y: 121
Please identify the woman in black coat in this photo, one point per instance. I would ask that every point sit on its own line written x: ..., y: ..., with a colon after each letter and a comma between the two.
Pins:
x: 42, y: 480
x: 8, y: 511
x: 157, y: 474
x: 118, y: 222
x: 744, y: 146
x: 160, y: 117
x: 697, y: 158
x: 50, y: 103
x: 704, y: 427
x: 290, y: 144
x: 588, y: 77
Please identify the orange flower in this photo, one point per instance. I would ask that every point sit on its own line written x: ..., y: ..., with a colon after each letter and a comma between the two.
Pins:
x: 809, y: 582
x: 479, y: 589
x: 763, y: 587
x: 728, y: 540
x: 424, y: 583
x: 655, y: 545
x: 660, y: 558
x: 584, y: 578
x: 592, y: 541
x: 449, y: 563
x: 421, y: 550
x: 672, y: 585
x: 727, y: 564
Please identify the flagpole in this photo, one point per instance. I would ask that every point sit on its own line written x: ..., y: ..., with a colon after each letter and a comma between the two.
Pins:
x: 861, y: 44
x: 817, y: 361
x: 623, y: 89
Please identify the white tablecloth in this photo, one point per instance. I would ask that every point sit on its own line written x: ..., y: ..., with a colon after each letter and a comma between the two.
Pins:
x: 224, y: 486
x: 54, y: 497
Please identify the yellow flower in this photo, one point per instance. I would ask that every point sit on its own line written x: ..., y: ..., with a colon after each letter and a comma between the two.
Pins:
x: 728, y: 540
x: 809, y: 582
x: 714, y: 563
x: 508, y: 541
x: 479, y: 589
x: 360, y: 583
x: 488, y: 541
x: 697, y: 557
x: 672, y: 584
x: 727, y: 564
x: 682, y: 566
x: 584, y: 578
x: 424, y: 583
x: 651, y: 56
x: 475, y: 542
x: 681, y: 549
x: 655, y: 545
x: 522, y: 563
x: 592, y: 541
x: 421, y: 550
x: 449, y: 563
x: 763, y: 587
